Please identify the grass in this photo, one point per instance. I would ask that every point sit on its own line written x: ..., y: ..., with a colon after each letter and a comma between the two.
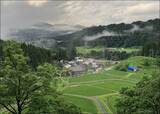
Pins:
x: 87, y: 50
x: 111, y: 101
x: 139, y: 61
x: 127, y: 50
x: 111, y: 74
x: 87, y: 90
x: 85, y: 104
x: 102, y: 99
x: 115, y: 85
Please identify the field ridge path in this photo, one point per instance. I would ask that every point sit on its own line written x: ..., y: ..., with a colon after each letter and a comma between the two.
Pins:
x: 100, y: 105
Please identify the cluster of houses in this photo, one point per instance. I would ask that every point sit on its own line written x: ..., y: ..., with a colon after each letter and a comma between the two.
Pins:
x: 81, y: 65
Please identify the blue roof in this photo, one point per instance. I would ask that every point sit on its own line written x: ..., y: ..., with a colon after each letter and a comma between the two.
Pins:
x: 132, y: 68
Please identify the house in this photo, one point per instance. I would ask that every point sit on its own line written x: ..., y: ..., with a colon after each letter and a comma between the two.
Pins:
x: 77, y: 69
x: 67, y: 66
x: 132, y: 68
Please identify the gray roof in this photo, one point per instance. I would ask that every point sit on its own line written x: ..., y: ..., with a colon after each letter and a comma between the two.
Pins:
x: 78, y: 68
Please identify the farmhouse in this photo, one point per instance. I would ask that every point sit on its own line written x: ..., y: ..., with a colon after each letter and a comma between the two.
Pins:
x: 78, y: 69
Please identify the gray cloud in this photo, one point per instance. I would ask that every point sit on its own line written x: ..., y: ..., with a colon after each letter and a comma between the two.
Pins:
x: 21, y: 14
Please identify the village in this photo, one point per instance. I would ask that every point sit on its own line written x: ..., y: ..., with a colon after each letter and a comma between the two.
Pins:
x: 82, y: 65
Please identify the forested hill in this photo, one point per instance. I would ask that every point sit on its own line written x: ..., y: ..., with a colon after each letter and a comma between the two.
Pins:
x: 114, y: 35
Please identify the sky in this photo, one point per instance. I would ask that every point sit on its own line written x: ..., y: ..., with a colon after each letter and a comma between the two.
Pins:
x: 17, y: 14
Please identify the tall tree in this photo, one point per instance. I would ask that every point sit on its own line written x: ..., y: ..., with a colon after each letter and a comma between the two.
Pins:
x: 20, y: 86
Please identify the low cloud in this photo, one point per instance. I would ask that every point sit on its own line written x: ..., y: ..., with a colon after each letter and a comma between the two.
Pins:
x: 104, y: 33
x: 137, y: 28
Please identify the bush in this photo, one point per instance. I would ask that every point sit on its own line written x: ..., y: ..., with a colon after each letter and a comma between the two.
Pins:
x: 146, y: 62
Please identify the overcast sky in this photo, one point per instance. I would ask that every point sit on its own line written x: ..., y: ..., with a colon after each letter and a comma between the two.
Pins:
x: 24, y: 13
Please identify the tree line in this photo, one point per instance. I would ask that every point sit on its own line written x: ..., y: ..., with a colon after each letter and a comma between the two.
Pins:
x: 151, y: 49
x: 39, y: 55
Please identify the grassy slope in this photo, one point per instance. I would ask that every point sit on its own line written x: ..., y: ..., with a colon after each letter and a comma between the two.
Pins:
x: 128, y: 50
x: 87, y: 50
x: 111, y: 100
x: 85, y: 104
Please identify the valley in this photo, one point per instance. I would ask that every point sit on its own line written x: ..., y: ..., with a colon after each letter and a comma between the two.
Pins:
x: 79, y: 57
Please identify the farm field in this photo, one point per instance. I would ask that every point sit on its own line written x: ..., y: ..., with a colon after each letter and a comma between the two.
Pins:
x: 87, y: 50
x: 128, y: 50
x: 101, y: 90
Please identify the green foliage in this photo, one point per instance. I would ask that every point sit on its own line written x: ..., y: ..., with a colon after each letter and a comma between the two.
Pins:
x: 37, y: 55
x: 1, y: 50
x: 146, y: 62
x: 17, y: 81
x: 65, y: 54
x: 108, y: 53
x: 61, y: 54
x: 85, y: 104
x: 49, y: 105
x: 143, y: 99
x: 151, y: 49
x: 158, y: 61
x: 122, y: 67
x: 22, y: 88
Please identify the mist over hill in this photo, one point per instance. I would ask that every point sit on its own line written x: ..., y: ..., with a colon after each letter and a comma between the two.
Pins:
x: 114, y: 35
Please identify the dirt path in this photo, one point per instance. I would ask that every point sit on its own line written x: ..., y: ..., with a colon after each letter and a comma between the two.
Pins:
x: 100, y: 106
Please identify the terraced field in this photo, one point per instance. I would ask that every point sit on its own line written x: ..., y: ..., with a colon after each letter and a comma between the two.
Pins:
x: 97, y: 93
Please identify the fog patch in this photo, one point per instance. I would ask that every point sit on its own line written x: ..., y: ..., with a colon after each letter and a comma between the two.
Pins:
x: 104, y: 33
x: 137, y: 28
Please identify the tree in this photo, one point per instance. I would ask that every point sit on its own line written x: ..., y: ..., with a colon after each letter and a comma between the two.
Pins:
x: 144, y: 98
x: 71, y: 52
x: 37, y: 55
x: 17, y: 83
x: 146, y: 62
x: 158, y: 61
x: 21, y: 87
x: 61, y: 54
x: 48, y: 100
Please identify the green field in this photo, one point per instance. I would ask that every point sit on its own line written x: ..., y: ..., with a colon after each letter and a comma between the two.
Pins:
x: 87, y: 50
x: 128, y: 50
x: 101, y: 90
x: 82, y: 103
